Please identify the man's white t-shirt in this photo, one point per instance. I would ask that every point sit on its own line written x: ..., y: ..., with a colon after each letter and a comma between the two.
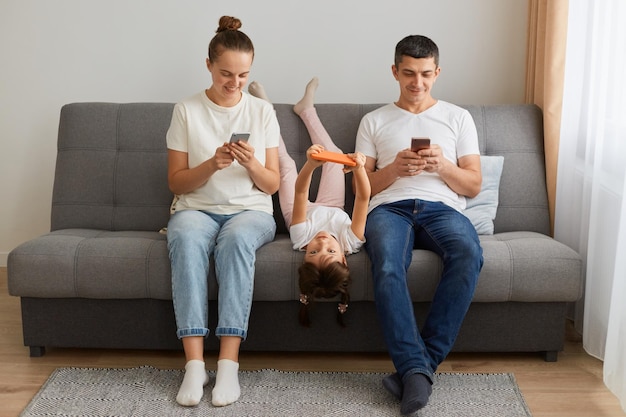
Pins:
x: 199, y: 127
x: 388, y: 130
x: 329, y: 219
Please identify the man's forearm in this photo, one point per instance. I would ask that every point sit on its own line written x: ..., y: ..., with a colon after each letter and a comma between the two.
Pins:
x: 381, y: 179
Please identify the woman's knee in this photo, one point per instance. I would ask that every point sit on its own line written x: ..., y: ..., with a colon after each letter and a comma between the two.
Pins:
x: 183, y: 221
x: 189, y: 229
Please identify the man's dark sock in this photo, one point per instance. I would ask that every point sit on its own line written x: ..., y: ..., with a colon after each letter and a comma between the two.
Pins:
x: 393, y: 384
x: 415, y: 394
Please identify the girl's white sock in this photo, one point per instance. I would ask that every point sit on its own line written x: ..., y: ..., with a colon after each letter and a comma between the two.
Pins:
x: 308, y: 100
x: 257, y: 90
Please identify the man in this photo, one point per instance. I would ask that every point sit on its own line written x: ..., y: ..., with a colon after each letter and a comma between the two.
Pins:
x: 417, y: 202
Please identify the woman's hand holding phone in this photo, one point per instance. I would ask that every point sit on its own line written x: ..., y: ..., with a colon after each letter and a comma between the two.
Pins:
x: 236, y: 137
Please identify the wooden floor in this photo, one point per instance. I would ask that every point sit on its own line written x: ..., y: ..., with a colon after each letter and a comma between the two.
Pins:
x: 571, y: 387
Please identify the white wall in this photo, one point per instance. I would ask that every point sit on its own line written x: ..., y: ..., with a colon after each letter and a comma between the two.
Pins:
x: 61, y: 51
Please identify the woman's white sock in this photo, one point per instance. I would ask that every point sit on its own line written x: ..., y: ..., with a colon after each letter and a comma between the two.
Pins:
x: 191, y: 390
x: 226, y: 389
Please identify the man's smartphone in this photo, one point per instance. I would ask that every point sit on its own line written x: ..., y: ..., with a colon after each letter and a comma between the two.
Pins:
x: 419, y: 144
x: 236, y: 137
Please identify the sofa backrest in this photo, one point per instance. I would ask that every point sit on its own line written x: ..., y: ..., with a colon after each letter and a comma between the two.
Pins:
x: 513, y: 131
x: 111, y: 170
x: 516, y: 132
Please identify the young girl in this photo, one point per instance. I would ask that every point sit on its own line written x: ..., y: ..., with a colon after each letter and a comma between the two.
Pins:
x: 322, y: 229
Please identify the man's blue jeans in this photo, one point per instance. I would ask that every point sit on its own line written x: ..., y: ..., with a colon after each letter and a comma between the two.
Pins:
x: 392, y: 232
x: 192, y: 236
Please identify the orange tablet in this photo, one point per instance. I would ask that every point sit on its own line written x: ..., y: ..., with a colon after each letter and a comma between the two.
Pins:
x: 339, y: 158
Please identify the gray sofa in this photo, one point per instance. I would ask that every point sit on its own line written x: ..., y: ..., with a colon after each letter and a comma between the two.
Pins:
x: 101, y: 277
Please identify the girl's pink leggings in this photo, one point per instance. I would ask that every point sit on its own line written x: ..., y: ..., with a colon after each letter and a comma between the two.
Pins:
x: 331, y: 190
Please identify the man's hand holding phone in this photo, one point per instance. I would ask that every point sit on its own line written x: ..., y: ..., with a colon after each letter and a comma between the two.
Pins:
x: 427, y: 152
x: 411, y: 164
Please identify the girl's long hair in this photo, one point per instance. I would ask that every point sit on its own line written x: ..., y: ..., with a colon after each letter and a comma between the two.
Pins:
x: 327, y: 282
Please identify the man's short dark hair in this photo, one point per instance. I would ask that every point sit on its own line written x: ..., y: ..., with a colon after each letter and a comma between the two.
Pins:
x: 416, y: 46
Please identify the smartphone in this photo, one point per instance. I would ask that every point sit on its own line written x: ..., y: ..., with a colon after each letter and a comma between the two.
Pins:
x: 236, y: 137
x: 419, y: 144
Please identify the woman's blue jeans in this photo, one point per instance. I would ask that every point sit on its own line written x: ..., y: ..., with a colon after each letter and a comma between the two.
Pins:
x: 192, y: 237
x: 392, y: 232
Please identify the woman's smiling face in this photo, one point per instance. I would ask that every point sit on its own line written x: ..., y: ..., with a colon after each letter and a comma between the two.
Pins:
x: 230, y: 75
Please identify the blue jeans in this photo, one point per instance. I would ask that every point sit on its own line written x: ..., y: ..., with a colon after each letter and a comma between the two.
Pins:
x: 392, y: 232
x: 192, y: 237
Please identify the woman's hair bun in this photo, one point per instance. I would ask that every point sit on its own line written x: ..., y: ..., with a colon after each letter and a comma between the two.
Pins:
x: 228, y: 23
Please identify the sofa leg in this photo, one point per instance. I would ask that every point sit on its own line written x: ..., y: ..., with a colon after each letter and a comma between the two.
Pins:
x: 550, y: 355
x: 37, y: 351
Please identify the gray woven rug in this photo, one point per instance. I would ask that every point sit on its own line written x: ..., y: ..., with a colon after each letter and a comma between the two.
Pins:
x: 148, y: 391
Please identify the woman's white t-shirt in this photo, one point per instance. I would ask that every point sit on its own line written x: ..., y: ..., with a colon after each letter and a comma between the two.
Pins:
x: 199, y: 127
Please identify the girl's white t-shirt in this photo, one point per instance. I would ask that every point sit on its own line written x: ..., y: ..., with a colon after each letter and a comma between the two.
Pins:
x: 329, y: 219
x: 388, y: 130
x: 199, y: 127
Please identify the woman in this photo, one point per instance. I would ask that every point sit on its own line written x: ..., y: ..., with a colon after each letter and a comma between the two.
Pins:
x: 223, y: 208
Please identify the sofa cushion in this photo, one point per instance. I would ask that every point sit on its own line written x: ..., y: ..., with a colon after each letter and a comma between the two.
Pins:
x: 481, y: 210
x: 87, y: 263
x: 519, y: 266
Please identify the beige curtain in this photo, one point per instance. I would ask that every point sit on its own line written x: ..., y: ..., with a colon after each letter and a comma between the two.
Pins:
x: 547, y: 36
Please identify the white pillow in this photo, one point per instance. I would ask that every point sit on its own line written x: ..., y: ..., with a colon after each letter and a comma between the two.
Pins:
x: 481, y: 210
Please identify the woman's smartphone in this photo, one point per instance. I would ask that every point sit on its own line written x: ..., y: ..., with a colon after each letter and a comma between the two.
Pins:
x: 236, y: 137
x: 419, y: 144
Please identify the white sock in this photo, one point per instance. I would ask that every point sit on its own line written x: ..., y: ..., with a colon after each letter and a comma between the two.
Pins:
x: 226, y: 389
x: 308, y: 99
x: 256, y: 89
x: 191, y: 390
